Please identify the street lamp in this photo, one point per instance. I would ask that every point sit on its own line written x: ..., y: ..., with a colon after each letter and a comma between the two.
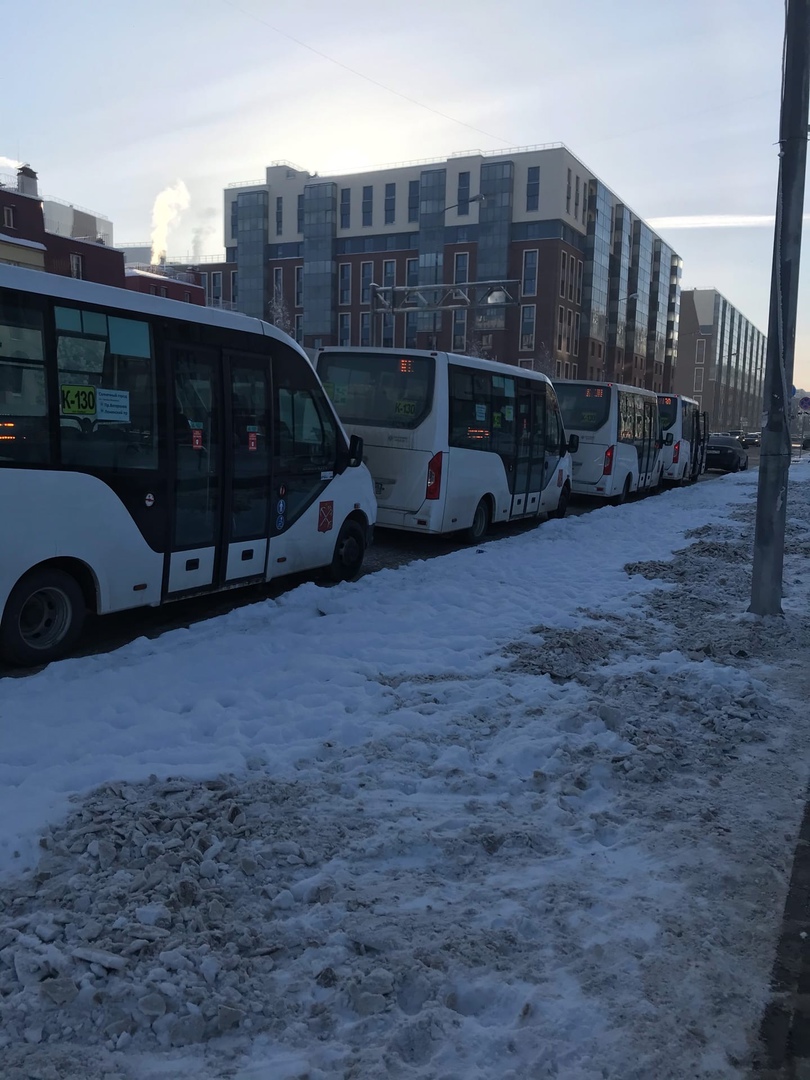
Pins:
x: 473, y: 198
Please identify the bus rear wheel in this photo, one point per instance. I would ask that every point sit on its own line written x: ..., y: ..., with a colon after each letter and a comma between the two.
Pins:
x: 43, y: 619
x: 480, y: 523
x: 350, y: 550
x: 619, y: 500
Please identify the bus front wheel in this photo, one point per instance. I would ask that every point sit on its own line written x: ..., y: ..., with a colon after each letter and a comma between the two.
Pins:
x: 350, y: 550
x: 562, y: 505
x: 480, y: 523
x: 43, y: 619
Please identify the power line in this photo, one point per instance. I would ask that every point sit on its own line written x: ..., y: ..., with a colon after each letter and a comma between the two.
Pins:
x: 368, y: 78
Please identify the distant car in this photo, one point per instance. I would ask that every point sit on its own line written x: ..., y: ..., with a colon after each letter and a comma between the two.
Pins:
x: 754, y: 438
x: 741, y: 435
x: 726, y: 454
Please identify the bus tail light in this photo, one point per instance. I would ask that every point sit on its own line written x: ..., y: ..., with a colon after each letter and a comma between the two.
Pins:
x: 676, y: 452
x: 607, y: 468
x: 434, y: 477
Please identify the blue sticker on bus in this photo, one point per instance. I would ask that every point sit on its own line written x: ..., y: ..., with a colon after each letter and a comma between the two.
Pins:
x: 281, y: 506
x: 279, y: 523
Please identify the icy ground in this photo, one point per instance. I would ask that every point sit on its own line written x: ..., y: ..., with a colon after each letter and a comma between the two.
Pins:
x: 517, y: 813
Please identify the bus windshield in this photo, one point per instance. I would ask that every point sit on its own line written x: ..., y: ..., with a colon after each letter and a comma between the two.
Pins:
x: 380, y: 391
x: 667, y: 410
x: 583, y: 407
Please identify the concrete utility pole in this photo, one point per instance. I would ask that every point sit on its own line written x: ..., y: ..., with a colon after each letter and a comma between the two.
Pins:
x: 769, y: 542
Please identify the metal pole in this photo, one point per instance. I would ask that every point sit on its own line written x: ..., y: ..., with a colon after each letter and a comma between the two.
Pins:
x: 769, y: 541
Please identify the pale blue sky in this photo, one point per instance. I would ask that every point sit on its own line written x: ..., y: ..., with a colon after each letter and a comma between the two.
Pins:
x: 674, y: 106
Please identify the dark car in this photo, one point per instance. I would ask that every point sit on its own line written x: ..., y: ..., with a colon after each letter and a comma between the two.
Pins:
x: 806, y: 443
x: 725, y: 452
x: 741, y: 435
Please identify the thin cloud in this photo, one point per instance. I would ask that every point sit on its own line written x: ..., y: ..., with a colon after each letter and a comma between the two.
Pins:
x: 716, y: 221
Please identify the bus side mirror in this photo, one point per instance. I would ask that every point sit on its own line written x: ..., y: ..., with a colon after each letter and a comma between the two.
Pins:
x: 355, y: 451
x: 573, y: 444
x: 670, y: 439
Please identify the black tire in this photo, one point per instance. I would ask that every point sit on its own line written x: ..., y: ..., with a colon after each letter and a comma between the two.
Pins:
x: 562, y: 505
x: 736, y: 466
x: 350, y: 550
x: 482, y: 519
x: 43, y: 619
x: 619, y: 500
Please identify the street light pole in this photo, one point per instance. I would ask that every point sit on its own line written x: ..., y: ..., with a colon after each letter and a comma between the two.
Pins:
x: 769, y: 540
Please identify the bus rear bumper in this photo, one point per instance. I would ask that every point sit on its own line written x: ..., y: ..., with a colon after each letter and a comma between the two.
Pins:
x: 422, y: 521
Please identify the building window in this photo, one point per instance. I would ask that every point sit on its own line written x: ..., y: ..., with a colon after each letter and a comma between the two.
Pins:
x: 569, y: 326
x: 563, y: 271
x: 459, y: 330
x: 279, y: 215
x: 345, y: 283
x: 389, y: 273
x: 366, y: 273
x: 527, y: 317
x: 345, y: 208
x: 558, y: 369
x: 571, y: 276
x: 164, y: 291
x: 700, y: 351
x: 530, y: 273
x: 576, y: 334
x: 76, y: 266
x: 299, y: 286
x: 278, y: 282
x: 463, y: 194
x: 566, y: 370
x: 187, y: 297
x: 299, y: 328
x: 579, y: 281
x: 300, y: 213
x: 560, y: 328
x: 533, y: 188
x: 574, y: 370
x: 413, y: 200
x: 698, y: 387
x: 153, y: 290
x: 411, y: 272
x: 344, y: 328
x: 204, y: 282
x: 368, y: 204
x: 365, y: 329
x: 234, y: 285
x: 576, y: 198
x: 8, y: 217
x: 461, y: 267
x: 390, y: 203
x: 568, y: 194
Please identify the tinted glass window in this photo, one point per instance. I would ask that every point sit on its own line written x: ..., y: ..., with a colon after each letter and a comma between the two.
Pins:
x: 667, y: 410
x: 381, y: 391
x: 23, y: 401
x: 107, y: 392
x: 583, y: 407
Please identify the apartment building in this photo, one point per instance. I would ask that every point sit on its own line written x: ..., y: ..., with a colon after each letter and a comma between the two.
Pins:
x: 524, y: 256
x: 721, y: 360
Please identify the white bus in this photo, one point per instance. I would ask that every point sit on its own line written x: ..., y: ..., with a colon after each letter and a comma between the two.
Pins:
x: 453, y: 443
x: 152, y: 450
x: 619, y: 438
x: 685, y: 435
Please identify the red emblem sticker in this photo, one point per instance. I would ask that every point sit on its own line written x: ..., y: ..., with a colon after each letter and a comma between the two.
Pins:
x: 326, y: 516
x: 196, y: 439
x: 252, y: 440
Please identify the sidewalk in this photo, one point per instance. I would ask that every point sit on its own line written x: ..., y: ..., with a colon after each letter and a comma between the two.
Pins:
x: 523, y: 811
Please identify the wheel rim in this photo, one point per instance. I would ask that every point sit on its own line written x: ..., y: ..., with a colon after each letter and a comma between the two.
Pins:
x: 45, y: 618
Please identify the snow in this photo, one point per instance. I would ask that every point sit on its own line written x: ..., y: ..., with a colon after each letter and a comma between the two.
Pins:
x: 526, y: 810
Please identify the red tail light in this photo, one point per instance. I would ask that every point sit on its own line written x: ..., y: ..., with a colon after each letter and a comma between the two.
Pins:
x: 676, y: 452
x: 434, y: 477
x: 607, y: 468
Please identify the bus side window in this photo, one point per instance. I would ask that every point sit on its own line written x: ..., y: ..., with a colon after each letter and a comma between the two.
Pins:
x: 23, y: 402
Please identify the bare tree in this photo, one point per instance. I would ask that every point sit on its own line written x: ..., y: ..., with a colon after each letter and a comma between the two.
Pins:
x: 278, y: 314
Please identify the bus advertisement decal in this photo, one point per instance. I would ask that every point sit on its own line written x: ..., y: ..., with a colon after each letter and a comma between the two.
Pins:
x: 78, y: 400
x: 326, y: 516
x: 112, y: 405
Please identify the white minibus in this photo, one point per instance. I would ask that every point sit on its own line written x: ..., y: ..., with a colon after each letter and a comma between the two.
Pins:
x: 454, y: 443
x: 152, y: 450
x: 685, y: 434
x: 619, y: 438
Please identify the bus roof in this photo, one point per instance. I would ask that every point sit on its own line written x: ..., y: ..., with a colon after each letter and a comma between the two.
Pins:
x: 472, y: 361
x: 90, y: 292
x: 618, y: 386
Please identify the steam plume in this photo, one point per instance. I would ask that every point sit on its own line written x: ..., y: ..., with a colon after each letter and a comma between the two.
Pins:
x: 168, y: 207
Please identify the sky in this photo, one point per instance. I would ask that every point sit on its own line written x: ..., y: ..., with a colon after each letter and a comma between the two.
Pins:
x: 674, y: 107
x: 472, y: 817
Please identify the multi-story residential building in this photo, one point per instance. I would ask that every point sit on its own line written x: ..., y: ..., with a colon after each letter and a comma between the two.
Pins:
x: 46, y: 234
x: 591, y: 290
x: 721, y: 360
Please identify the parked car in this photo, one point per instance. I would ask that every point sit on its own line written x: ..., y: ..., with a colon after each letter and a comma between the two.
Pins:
x: 726, y: 454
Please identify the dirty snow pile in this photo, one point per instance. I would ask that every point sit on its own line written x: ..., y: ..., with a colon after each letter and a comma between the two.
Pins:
x: 525, y: 811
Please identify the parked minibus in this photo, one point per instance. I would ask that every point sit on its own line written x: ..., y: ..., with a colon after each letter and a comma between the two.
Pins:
x: 685, y: 434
